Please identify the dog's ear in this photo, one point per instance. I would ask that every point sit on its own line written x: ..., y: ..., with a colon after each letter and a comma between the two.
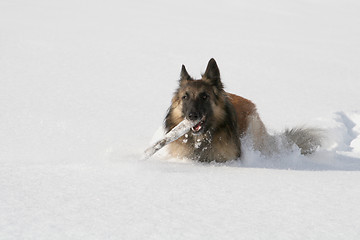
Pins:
x: 212, y: 74
x: 184, y: 76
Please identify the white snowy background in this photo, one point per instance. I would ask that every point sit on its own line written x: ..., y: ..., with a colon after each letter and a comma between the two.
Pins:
x: 84, y: 87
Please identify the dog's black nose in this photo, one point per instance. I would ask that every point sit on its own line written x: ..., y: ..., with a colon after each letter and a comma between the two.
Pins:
x: 193, y: 116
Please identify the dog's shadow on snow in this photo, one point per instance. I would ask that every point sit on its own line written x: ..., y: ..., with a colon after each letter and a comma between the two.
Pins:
x: 319, y: 161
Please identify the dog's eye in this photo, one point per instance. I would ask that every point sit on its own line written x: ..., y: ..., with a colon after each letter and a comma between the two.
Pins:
x: 185, y: 96
x: 205, y: 96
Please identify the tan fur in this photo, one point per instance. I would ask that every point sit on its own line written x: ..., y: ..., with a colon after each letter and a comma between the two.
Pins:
x: 176, y: 117
x: 222, y: 149
x: 233, y: 117
x: 219, y: 113
x: 244, y: 109
x: 249, y: 123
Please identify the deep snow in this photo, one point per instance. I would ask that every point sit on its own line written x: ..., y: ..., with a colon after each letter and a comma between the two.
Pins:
x: 84, y: 87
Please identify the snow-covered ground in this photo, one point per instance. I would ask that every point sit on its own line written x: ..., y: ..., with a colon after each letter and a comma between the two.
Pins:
x: 84, y: 87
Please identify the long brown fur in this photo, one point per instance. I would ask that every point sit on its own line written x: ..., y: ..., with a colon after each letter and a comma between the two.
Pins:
x: 228, y: 117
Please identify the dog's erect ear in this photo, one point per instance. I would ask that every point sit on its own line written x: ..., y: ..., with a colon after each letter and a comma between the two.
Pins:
x: 212, y: 74
x: 184, y: 76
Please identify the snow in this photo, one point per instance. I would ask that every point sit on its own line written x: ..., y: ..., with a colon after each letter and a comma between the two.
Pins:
x: 179, y: 201
x: 85, y: 86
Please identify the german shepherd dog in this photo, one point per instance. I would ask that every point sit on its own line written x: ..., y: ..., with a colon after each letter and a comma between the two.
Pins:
x: 225, y: 119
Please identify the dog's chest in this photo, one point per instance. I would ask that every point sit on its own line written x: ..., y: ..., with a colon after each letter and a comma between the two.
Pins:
x: 205, y: 148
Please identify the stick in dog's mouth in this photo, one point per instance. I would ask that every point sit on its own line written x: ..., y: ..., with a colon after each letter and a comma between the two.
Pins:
x: 175, y: 133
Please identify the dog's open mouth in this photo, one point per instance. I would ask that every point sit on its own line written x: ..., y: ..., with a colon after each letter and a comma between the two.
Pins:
x: 198, y: 127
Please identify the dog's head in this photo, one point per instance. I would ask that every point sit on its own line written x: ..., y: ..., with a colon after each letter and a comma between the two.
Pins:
x: 200, y: 99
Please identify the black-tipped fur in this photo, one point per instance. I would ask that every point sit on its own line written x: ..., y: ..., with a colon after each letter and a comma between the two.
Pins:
x: 307, y: 139
x: 212, y: 74
x: 224, y: 118
x: 218, y: 139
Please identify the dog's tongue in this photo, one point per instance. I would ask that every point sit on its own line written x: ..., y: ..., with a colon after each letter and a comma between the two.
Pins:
x: 197, y: 127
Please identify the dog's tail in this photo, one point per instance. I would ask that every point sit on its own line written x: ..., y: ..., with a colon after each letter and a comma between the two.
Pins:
x: 307, y: 139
